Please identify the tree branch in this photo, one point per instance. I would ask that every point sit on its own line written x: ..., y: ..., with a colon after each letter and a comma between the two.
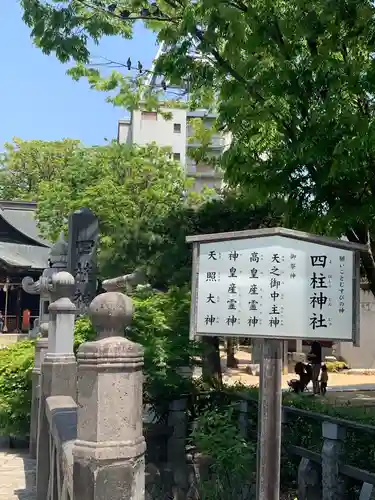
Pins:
x: 131, y: 16
x: 240, y: 6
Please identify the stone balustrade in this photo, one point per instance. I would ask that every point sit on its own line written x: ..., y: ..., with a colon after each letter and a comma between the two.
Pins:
x: 126, y: 282
x: 41, y: 346
x: 110, y: 446
x: 42, y: 287
x: 58, y: 371
x: 324, y: 475
x: 62, y: 418
x: 89, y: 436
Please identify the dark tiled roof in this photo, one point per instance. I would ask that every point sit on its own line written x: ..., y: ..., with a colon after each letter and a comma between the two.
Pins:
x: 21, y: 215
x: 29, y: 250
x: 24, y: 256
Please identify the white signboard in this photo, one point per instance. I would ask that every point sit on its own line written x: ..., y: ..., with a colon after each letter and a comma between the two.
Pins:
x: 275, y: 287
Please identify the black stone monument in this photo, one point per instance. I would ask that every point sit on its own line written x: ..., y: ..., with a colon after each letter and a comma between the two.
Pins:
x: 83, y: 237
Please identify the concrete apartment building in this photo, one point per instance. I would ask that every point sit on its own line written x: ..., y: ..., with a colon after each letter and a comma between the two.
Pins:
x: 145, y: 127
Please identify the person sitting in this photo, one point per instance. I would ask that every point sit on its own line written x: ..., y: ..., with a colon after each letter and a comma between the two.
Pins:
x: 323, y: 380
x: 304, y: 372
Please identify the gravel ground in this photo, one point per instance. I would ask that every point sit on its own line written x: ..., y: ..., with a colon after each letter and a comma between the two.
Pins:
x: 17, y: 477
x: 341, y: 381
x: 335, y: 379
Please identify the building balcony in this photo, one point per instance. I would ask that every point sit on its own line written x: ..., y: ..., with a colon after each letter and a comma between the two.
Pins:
x: 217, y: 142
x: 202, y: 171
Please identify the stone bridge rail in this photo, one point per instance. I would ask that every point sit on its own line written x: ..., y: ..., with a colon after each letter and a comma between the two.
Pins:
x: 321, y: 475
x: 88, y: 435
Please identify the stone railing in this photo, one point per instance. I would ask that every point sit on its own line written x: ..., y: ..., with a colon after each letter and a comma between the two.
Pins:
x: 41, y: 346
x: 89, y: 432
x: 321, y: 475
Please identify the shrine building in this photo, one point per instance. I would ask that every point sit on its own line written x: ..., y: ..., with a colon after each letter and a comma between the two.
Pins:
x: 23, y: 252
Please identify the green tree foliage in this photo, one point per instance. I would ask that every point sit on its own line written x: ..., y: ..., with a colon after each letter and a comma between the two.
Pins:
x: 294, y: 85
x: 161, y: 325
x: 57, y: 27
x: 169, y: 262
x: 127, y: 187
x: 83, y: 332
x: 16, y: 364
x: 25, y: 164
x: 232, y: 457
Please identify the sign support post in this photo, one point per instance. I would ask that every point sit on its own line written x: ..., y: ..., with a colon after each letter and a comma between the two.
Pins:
x: 269, y: 421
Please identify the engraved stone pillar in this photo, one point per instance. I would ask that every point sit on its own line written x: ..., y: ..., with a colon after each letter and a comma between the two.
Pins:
x: 58, y: 372
x: 332, y: 451
x: 83, y: 238
x: 109, y: 451
x: 41, y: 346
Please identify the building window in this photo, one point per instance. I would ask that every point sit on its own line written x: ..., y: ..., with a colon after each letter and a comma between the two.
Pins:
x: 176, y: 156
x: 149, y: 115
x: 177, y: 128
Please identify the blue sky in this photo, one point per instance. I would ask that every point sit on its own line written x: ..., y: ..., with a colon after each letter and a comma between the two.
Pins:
x: 39, y: 101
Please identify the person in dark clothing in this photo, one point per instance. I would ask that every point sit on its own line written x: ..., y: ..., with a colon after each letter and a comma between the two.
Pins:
x: 304, y: 373
x: 315, y: 358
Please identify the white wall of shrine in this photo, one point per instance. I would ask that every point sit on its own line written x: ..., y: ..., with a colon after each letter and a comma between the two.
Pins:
x: 363, y: 356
